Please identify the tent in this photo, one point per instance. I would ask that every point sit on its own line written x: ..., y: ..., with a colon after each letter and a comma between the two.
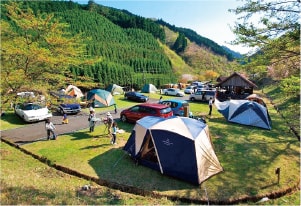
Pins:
x: 100, y: 98
x: 149, y: 88
x: 244, y: 112
x: 178, y: 146
x: 73, y: 91
x: 115, y: 89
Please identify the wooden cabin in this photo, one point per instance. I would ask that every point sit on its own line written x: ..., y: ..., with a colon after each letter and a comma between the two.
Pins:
x: 236, y: 86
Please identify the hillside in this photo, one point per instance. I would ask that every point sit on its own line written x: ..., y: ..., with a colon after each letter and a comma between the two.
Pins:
x: 133, y: 50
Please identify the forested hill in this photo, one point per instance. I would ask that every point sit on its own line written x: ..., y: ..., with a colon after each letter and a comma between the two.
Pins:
x: 126, y: 43
x: 199, y: 40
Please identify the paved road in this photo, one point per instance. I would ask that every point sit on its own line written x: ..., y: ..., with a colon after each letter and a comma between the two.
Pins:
x: 36, y: 131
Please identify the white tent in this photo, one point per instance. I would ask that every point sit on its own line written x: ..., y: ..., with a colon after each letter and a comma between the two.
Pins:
x: 74, y: 91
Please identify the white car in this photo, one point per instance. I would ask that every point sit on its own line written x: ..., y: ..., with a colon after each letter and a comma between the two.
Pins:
x: 31, y: 112
x: 173, y: 92
x: 190, y: 89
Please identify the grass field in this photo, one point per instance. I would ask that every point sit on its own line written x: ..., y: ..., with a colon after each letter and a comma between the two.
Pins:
x: 248, y: 155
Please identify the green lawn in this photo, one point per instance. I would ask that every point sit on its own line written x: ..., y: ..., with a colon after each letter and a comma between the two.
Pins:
x: 248, y: 155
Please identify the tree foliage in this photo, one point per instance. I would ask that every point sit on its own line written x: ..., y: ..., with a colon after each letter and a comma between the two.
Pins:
x: 273, y: 28
x: 36, y: 50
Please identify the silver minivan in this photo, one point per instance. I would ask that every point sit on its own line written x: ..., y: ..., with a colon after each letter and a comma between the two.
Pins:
x: 202, y: 95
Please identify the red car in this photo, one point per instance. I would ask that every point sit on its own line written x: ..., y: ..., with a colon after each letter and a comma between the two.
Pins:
x: 139, y: 111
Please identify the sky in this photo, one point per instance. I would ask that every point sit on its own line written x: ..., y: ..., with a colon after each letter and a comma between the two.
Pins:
x: 209, y: 18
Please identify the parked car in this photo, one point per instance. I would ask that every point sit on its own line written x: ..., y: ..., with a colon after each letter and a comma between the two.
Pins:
x: 173, y: 92
x: 178, y: 107
x: 190, y: 89
x: 31, y: 112
x: 202, y: 95
x: 69, y: 108
x: 136, y: 96
x: 139, y: 111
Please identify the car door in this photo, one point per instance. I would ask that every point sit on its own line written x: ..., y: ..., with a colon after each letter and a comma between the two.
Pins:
x: 135, y: 113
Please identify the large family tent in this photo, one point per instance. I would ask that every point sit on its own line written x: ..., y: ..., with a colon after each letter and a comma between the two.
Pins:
x: 149, y: 88
x: 100, y: 98
x: 73, y: 91
x: 245, y: 112
x: 178, y: 146
x: 115, y: 89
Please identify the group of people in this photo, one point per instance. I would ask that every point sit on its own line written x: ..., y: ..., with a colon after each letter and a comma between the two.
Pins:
x: 109, y: 121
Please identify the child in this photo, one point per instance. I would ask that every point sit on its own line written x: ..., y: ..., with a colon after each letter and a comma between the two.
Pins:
x: 114, y: 131
x: 65, y: 119
x: 110, y: 121
x: 50, y: 129
x: 92, y: 120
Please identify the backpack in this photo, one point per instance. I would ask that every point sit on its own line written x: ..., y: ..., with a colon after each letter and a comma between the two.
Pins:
x: 110, y: 120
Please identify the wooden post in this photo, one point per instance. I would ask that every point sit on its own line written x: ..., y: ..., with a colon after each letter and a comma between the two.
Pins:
x: 277, y: 172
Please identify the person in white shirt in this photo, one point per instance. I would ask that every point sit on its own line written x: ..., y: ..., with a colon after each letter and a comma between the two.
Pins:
x: 50, y: 129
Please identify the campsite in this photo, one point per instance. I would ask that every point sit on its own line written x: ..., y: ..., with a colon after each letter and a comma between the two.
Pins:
x: 74, y: 60
x: 240, y: 149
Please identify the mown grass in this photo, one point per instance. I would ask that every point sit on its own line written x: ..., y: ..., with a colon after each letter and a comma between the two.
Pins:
x: 26, y: 181
x: 288, y: 105
x: 248, y: 155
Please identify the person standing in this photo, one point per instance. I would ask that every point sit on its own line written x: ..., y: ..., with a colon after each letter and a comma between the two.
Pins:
x: 65, y: 119
x: 210, y: 105
x: 115, y: 108
x: 160, y: 100
x: 110, y: 121
x: 50, y: 129
x: 91, y: 120
x: 114, y: 132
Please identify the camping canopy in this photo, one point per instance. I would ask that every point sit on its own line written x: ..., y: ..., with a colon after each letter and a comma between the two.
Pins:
x: 244, y: 112
x: 100, y: 98
x: 115, y: 89
x: 73, y: 91
x: 149, y: 88
x: 177, y: 146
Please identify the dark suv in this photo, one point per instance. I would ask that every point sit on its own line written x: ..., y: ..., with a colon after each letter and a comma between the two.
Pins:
x: 139, y: 111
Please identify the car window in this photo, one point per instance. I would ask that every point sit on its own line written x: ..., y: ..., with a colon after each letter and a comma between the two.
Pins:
x: 150, y: 110
x: 135, y: 109
x: 173, y: 104
x: 165, y: 110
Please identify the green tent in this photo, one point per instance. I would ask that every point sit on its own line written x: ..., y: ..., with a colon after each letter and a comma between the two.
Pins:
x: 149, y: 88
x: 115, y: 89
x: 100, y: 98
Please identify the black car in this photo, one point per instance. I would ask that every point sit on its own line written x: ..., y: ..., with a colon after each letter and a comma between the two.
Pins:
x: 136, y: 96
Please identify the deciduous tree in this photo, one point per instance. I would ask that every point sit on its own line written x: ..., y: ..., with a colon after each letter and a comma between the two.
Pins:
x: 272, y: 27
x: 36, y: 51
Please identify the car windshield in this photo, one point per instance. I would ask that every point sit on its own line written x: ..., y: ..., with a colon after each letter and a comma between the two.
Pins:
x: 165, y: 110
x: 31, y: 107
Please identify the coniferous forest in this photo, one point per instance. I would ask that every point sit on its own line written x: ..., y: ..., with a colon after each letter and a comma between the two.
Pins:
x: 129, y: 46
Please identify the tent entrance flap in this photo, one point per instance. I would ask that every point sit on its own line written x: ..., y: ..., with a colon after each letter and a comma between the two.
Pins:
x: 148, y: 151
x: 148, y: 155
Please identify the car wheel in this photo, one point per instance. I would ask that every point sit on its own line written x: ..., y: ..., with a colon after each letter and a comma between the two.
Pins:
x: 178, y: 95
x: 123, y: 118
x: 192, y: 98
x: 166, y: 93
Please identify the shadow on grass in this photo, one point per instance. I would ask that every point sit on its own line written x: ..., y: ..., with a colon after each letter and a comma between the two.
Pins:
x: 12, y: 118
x: 115, y: 165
